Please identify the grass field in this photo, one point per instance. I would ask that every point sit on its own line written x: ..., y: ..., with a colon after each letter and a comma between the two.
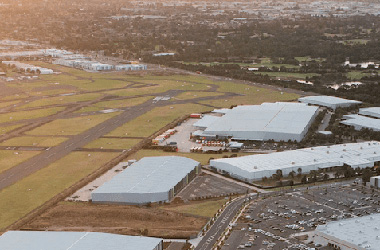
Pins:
x: 7, y: 129
x: 356, y: 75
x: 25, y: 115
x: 61, y: 100
x: 6, y: 104
x: 33, y: 141
x: 202, y: 208
x: 123, y: 103
x: 110, y: 143
x: 288, y: 75
x: 9, y: 158
x: 70, y: 126
x: 155, y: 119
x: 191, y: 95
x: 34, y: 190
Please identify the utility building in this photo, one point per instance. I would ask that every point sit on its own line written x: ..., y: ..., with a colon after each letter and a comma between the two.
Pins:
x: 152, y: 179
x: 255, y: 167
x: 43, y: 240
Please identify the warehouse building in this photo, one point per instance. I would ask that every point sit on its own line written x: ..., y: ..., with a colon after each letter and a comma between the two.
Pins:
x: 43, y: 240
x: 372, y: 112
x: 280, y: 121
x: 359, y: 233
x: 374, y: 181
x: 255, y: 167
x: 359, y: 122
x: 331, y: 102
x: 28, y: 68
x: 151, y: 179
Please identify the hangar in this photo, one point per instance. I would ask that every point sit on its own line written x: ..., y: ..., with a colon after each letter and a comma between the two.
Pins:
x: 360, y: 121
x: 255, y: 167
x: 280, y: 121
x: 43, y: 240
x: 331, y: 102
x: 151, y: 179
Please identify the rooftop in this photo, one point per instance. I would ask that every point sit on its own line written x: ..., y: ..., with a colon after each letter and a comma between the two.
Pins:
x: 360, y: 231
x: 262, y: 122
x: 359, y: 121
x: 150, y: 175
x: 38, y: 240
x: 352, y: 154
x: 372, y: 111
x: 328, y: 101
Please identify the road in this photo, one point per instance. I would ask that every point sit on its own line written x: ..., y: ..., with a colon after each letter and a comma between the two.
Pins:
x: 220, y: 225
x: 53, y: 154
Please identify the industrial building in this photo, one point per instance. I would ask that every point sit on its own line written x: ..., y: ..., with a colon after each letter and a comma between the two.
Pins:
x: 359, y: 122
x: 280, y: 121
x: 372, y: 112
x: 44, y: 240
x: 359, y: 233
x: 374, y: 181
x: 28, y: 68
x: 331, y: 102
x: 151, y: 179
x: 255, y: 167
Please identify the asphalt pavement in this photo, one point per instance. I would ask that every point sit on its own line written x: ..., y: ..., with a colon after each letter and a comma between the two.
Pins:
x: 220, y: 225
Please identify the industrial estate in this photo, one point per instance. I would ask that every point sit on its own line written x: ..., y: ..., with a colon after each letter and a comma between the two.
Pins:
x: 109, y: 149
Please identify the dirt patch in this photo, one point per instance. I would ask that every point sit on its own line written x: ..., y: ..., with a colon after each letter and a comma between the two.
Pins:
x: 6, y: 90
x: 54, y: 87
x: 120, y: 219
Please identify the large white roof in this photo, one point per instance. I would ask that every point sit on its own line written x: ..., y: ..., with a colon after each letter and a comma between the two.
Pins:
x: 359, y: 122
x: 257, y: 166
x: 150, y: 175
x: 36, y: 240
x: 328, y: 101
x: 360, y: 231
x: 278, y: 121
x: 372, y: 111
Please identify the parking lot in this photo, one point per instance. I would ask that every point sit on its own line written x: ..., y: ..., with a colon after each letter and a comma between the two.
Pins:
x: 286, y: 221
x: 210, y: 186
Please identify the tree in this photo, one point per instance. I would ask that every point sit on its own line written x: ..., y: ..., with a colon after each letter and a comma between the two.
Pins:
x: 299, y: 170
x: 304, y: 179
x: 278, y: 174
x: 366, y: 175
x: 292, y: 174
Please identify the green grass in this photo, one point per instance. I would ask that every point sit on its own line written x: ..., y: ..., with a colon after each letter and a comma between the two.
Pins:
x: 71, y: 126
x: 24, y: 115
x: 34, y: 190
x: 6, y: 104
x: 110, y: 143
x: 195, y: 94
x: 123, y: 103
x: 288, y: 75
x: 7, y: 129
x: 355, y: 41
x: 356, y: 75
x: 61, y: 100
x: 205, y: 209
x: 155, y: 119
x: 10, y: 158
x: 34, y: 141
x: 251, y: 95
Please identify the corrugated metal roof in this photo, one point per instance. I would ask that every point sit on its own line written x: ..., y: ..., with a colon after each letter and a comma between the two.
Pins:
x: 372, y: 111
x: 36, y: 240
x: 278, y: 121
x: 353, y: 154
x: 328, y: 101
x: 360, y: 231
x: 206, y: 121
x: 359, y: 122
x: 150, y: 175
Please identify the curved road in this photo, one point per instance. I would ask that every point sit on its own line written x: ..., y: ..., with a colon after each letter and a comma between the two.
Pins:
x: 220, y: 225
